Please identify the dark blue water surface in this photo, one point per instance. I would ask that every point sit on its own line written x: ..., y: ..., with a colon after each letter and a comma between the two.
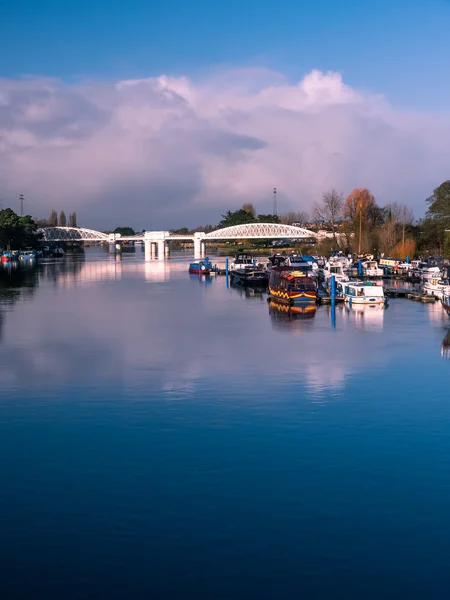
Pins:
x: 162, y: 436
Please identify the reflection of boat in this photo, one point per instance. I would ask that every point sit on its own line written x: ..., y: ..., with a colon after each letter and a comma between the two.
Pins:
x: 368, y: 317
x: 201, y: 267
x: 445, y: 348
x: 251, y: 292
x: 446, y: 301
x: 254, y: 277
x: 363, y: 293
x: 291, y: 287
x: 282, y: 314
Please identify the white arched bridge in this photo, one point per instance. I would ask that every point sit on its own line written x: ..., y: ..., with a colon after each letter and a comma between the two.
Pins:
x: 157, y: 241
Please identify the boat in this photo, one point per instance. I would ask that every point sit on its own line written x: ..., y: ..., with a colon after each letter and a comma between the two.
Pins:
x: 201, y: 267
x: 291, y: 287
x: 249, y: 277
x: 371, y: 269
x: 277, y: 260
x: 363, y: 292
x: 435, y: 286
x: 9, y: 257
x: 335, y: 269
x: 244, y: 260
x: 300, y: 263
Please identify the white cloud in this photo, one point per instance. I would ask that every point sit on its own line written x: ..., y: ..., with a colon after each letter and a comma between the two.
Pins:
x: 166, y: 151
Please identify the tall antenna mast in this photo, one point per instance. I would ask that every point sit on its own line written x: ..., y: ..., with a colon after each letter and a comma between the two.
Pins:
x: 21, y: 199
x: 275, y: 210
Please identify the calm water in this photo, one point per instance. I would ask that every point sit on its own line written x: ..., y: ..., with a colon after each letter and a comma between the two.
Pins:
x: 162, y: 436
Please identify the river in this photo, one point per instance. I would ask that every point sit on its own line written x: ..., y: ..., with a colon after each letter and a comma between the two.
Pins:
x: 164, y: 436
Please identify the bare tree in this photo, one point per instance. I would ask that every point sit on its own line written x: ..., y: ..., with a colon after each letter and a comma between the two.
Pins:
x: 249, y: 208
x: 301, y: 217
x: 329, y: 209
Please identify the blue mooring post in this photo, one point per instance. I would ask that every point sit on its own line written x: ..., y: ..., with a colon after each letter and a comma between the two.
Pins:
x: 226, y: 270
x: 333, y: 300
x: 360, y: 269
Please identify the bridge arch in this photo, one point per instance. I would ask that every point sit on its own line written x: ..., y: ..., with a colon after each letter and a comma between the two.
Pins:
x: 72, y: 234
x: 260, y: 231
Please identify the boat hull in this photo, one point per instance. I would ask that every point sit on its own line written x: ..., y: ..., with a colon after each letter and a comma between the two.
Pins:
x: 293, y: 299
x: 198, y: 271
x: 357, y: 300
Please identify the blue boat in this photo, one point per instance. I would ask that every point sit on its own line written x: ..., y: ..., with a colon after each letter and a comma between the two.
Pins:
x: 202, y: 267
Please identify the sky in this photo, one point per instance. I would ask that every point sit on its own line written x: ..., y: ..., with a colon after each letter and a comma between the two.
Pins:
x: 167, y: 114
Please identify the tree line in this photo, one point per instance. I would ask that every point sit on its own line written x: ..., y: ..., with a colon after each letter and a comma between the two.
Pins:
x: 55, y: 220
x: 358, y: 224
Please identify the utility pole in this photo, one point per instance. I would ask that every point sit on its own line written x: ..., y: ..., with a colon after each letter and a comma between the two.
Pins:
x: 275, y: 208
x: 21, y: 199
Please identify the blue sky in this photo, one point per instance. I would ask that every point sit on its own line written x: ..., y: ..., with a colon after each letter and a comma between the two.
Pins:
x: 400, y: 48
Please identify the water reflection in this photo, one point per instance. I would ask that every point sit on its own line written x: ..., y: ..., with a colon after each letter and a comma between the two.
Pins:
x: 257, y: 293
x: 368, y: 318
x: 290, y: 317
x: 445, y: 348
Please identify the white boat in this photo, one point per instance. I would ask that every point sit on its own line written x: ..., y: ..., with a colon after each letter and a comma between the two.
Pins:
x: 371, y: 269
x: 367, y: 292
x: 244, y: 260
x: 335, y: 268
x: 436, y: 286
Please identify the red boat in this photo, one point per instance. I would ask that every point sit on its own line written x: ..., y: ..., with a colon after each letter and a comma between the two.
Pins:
x: 292, y: 287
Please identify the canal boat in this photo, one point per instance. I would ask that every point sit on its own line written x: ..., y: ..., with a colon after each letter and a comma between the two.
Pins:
x: 291, y: 287
x: 201, y: 267
x: 363, y: 292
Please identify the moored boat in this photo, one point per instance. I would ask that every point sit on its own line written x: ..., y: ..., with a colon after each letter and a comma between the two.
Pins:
x: 366, y: 292
x: 201, y: 267
x: 249, y: 277
x: 291, y: 287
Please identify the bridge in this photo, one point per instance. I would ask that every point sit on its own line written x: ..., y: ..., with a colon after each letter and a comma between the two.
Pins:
x: 157, y: 242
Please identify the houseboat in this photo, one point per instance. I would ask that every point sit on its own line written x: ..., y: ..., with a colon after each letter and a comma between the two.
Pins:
x: 366, y: 292
x: 291, y: 287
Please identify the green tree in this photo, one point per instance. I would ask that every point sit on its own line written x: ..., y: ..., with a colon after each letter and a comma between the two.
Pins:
x: 437, y: 218
x: 268, y: 219
x: 124, y: 230
x: 238, y: 217
x: 17, y: 232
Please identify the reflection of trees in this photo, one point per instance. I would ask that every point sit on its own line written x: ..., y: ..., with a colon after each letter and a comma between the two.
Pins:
x: 15, y: 282
x: 286, y: 317
x: 69, y: 267
x: 445, y: 348
x: 19, y: 280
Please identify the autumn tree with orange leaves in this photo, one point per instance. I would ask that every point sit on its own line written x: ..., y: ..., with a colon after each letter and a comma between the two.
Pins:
x: 362, y: 217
